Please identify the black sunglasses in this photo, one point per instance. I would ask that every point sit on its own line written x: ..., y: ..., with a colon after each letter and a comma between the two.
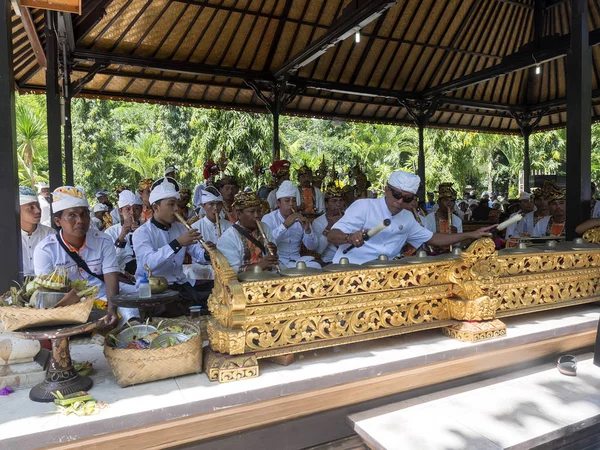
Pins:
x: 399, y: 196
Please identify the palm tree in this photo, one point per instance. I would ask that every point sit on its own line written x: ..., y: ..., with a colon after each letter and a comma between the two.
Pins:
x: 31, y: 138
x: 145, y: 156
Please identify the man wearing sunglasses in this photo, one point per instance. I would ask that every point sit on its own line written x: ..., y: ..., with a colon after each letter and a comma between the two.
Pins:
x: 365, y: 214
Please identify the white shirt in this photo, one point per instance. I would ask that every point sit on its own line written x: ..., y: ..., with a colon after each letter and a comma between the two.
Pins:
x: 151, y: 243
x: 540, y: 228
x: 97, y: 223
x: 125, y: 254
x: 429, y: 222
x: 325, y: 249
x: 288, y: 239
x: 231, y: 245
x: 28, y: 244
x: 368, y: 213
x: 98, y: 252
x: 209, y: 231
x: 46, y: 211
x: 116, y: 217
x: 596, y: 212
x: 525, y: 225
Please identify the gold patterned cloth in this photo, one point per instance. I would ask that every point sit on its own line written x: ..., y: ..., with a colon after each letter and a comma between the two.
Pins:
x: 246, y: 200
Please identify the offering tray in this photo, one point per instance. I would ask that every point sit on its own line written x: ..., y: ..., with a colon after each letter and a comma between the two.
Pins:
x: 60, y: 374
x: 145, y: 305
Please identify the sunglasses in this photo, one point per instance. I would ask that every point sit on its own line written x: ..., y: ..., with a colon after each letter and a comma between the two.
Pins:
x: 399, y: 196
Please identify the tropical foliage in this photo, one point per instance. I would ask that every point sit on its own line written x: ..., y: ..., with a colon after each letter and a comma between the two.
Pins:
x: 120, y: 143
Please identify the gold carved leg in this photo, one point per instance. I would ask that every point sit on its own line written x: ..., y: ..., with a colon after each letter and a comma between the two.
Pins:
x: 478, y: 319
x: 476, y: 331
x: 224, y: 368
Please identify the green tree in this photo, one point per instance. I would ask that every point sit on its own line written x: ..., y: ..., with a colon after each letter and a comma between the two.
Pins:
x: 144, y: 156
x: 32, y: 139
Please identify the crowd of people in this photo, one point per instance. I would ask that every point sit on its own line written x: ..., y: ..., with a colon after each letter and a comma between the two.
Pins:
x: 154, y: 227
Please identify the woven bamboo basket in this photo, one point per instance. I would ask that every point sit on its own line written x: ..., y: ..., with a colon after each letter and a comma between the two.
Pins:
x: 14, y: 318
x: 131, y: 366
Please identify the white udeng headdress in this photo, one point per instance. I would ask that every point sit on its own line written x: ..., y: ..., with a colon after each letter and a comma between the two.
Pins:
x: 405, y: 181
x: 126, y: 198
x: 287, y: 189
x: 66, y: 197
x: 163, y: 190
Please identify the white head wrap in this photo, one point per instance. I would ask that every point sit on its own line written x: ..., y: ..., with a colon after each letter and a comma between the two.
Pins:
x: 66, y: 197
x: 525, y: 196
x: 42, y: 185
x: 27, y: 195
x: 101, y: 193
x: 100, y: 207
x: 138, y: 200
x: 287, y: 189
x: 170, y: 169
x: 405, y: 181
x: 207, y: 197
x: 485, y: 194
x: 162, y: 191
x: 126, y: 198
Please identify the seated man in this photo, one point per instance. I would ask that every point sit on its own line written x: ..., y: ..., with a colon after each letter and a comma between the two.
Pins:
x: 334, y: 210
x: 122, y: 232
x: 290, y: 228
x: 242, y: 244
x: 162, y: 243
x: 364, y: 214
x: 100, y: 210
x: 525, y: 225
x: 438, y: 221
x: 32, y: 231
x: 228, y: 187
x: 85, y: 253
x: 554, y: 224
x: 144, y: 193
x: 211, y: 226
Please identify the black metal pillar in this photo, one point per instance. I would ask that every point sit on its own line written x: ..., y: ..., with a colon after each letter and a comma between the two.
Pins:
x: 421, y: 160
x: 579, y: 121
x: 68, y: 130
x: 11, y: 264
x: 526, y: 132
x: 275, y: 113
x: 53, y: 109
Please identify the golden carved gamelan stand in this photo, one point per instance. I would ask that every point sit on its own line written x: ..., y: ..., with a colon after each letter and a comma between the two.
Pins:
x: 465, y: 297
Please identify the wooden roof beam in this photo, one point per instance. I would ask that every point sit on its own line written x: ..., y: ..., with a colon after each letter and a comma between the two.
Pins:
x: 367, y: 91
x: 355, y: 16
x: 168, y: 65
x: 516, y: 3
x: 32, y: 35
x: 550, y: 48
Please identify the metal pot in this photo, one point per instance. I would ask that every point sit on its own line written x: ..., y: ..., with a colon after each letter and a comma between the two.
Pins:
x: 158, y: 284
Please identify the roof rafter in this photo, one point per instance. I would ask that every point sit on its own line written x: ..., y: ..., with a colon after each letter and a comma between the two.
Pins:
x: 356, y: 15
x: 167, y: 65
x: 550, y: 48
x: 33, y: 36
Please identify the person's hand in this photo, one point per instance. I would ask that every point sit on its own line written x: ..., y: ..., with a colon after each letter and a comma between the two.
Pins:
x: 111, y: 318
x: 125, y: 229
x: 306, y: 225
x: 356, y: 238
x: 482, y: 232
x: 210, y: 245
x: 190, y: 237
x: 272, y: 248
x: 268, y: 262
x: 292, y: 219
